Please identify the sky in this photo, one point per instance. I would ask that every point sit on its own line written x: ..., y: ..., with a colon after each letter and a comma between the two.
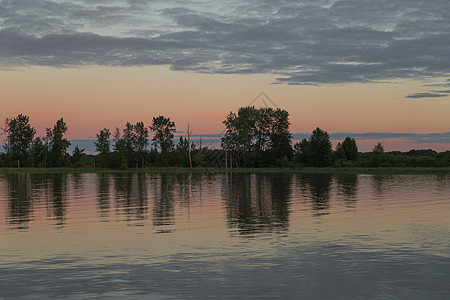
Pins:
x: 378, y: 70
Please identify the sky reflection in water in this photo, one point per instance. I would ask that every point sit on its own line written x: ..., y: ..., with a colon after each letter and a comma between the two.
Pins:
x: 225, y: 235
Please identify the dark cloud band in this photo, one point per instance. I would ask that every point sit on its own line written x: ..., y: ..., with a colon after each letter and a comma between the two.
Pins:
x: 426, y: 95
x: 301, y: 42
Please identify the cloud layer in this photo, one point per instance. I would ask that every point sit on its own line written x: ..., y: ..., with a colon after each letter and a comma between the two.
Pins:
x: 301, y: 42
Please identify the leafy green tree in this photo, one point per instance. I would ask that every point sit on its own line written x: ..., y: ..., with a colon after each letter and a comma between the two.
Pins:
x: 57, y: 144
x: 378, y: 148
x: 119, y: 160
x: 235, y: 140
x: 339, y: 153
x: 245, y: 135
x: 78, y: 158
x: 140, y: 142
x: 257, y: 136
x: 350, y: 149
x: 19, y: 137
x: 280, y: 136
x: 302, y: 152
x: 128, y: 138
x: 378, y: 158
x: 320, y: 148
x: 38, y: 154
x: 102, y: 146
x: 163, y: 138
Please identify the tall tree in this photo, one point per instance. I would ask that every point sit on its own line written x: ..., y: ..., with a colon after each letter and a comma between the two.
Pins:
x: 38, y: 153
x: 350, y: 149
x: 378, y: 157
x: 128, y: 138
x: 164, y: 129
x: 280, y: 136
x: 256, y: 133
x: 339, y: 154
x: 102, y: 146
x: 302, y: 151
x: 58, y: 144
x: 320, y: 147
x: 140, y: 141
x: 19, y: 137
x: 120, y: 151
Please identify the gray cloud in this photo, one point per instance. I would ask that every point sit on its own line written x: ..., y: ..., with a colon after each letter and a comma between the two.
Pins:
x: 418, y: 138
x: 302, y: 42
x: 444, y: 92
x: 426, y: 95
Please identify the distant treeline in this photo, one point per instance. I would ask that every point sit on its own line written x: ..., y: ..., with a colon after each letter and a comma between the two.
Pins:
x: 254, y: 137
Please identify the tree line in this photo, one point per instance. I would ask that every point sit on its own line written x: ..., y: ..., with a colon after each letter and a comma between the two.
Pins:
x: 254, y: 137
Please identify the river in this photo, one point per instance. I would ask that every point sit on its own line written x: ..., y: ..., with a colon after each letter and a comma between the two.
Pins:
x: 224, y: 236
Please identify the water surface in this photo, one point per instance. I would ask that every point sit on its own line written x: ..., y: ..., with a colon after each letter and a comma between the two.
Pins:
x: 226, y: 236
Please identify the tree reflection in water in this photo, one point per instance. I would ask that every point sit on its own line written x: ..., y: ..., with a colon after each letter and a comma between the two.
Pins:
x: 20, y: 205
x: 163, y: 207
x: 59, y: 201
x: 315, y: 188
x: 131, y: 196
x: 257, y: 203
x: 103, y: 194
x: 254, y: 203
x: 347, y: 185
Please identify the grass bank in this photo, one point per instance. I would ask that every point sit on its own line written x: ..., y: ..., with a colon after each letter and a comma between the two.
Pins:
x: 356, y: 170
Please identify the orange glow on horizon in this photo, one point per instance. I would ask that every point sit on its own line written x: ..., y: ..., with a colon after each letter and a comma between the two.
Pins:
x: 92, y: 98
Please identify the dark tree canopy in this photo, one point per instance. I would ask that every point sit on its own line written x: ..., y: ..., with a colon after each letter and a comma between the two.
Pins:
x: 378, y: 148
x: 349, y: 148
x: 320, y: 147
x: 102, y: 146
x: 316, y: 151
x: 19, y: 137
x: 140, y: 142
x: 163, y: 128
x: 255, y: 136
x: 57, y: 144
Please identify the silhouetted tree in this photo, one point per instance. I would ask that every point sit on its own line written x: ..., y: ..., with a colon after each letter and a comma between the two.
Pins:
x: 102, y: 145
x: 280, y: 137
x: 140, y: 142
x: 38, y: 153
x: 128, y: 138
x: 320, y: 148
x: 302, y: 152
x: 19, y: 137
x: 350, y: 149
x: 78, y: 158
x: 257, y: 136
x: 378, y: 148
x: 339, y: 152
x: 57, y: 144
x: 163, y: 139
x: 119, y: 160
x: 183, y: 148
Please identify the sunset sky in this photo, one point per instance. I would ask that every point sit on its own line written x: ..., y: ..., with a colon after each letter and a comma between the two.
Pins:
x: 375, y: 69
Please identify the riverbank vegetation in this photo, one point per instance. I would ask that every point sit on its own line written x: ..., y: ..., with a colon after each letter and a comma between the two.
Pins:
x: 254, y: 139
x: 272, y: 170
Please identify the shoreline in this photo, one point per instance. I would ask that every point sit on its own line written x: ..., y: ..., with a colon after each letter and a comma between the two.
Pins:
x: 326, y: 170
